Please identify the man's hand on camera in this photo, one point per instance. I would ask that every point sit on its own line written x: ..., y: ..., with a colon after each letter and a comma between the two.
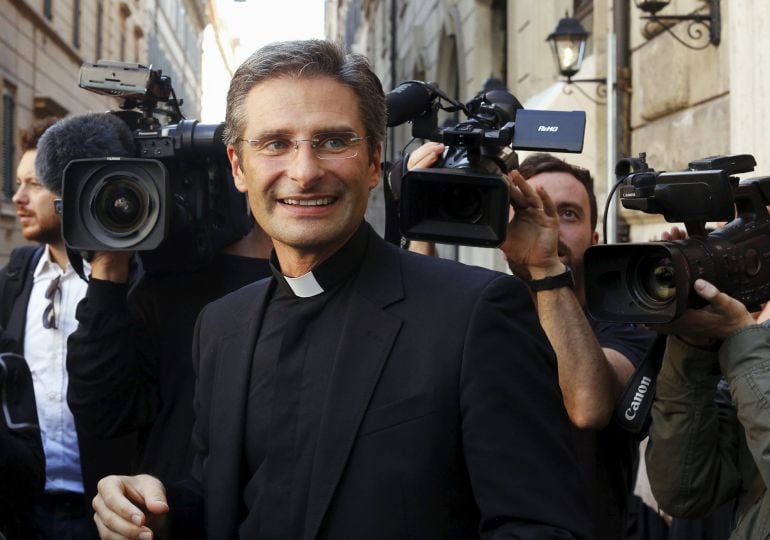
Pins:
x: 425, y: 156
x: 707, y: 326
x: 532, y: 241
x: 130, y: 507
x: 111, y: 265
x: 675, y: 233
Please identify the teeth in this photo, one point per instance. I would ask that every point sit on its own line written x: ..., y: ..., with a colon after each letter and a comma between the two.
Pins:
x: 309, y: 202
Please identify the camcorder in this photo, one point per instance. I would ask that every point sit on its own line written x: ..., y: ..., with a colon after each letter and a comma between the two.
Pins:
x: 464, y: 198
x: 653, y: 282
x: 174, y: 202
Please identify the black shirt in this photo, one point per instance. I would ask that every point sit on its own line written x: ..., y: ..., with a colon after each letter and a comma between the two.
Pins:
x: 130, y: 362
x: 292, y: 363
x: 609, y: 457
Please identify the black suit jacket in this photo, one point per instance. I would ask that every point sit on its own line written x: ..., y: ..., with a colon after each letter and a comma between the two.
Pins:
x: 98, y: 458
x: 443, y: 417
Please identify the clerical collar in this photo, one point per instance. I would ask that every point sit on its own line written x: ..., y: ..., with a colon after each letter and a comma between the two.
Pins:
x: 330, y: 273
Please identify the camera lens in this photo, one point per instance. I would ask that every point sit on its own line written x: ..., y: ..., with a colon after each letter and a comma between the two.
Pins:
x: 121, y: 205
x: 654, y: 280
x: 462, y: 203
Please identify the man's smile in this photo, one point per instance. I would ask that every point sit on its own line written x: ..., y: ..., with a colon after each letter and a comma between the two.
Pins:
x: 322, y: 201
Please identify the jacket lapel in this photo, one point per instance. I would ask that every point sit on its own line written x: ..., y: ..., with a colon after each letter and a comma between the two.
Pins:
x: 227, y: 419
x: 367, y: 338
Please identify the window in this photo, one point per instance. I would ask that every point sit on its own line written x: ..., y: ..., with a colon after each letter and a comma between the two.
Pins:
x: 48, y: 9
x: 499, y: 26
x: 138, y: 35
x: 99, y: 28
x: 125, y: 13
x: 581, y: 8
x: 76, y: 24
x: 9, y: 129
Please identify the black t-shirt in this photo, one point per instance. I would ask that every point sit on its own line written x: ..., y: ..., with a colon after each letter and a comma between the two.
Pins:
x: 609, y: 457
x: 171, y: 305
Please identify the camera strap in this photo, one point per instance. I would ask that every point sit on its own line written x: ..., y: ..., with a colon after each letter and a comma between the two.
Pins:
x: 20, y: 266
x: 632, y: 411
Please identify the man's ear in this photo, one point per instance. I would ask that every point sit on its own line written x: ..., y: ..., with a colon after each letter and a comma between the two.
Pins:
x: 236, y: 168
x: 594, y: 238
x: 375, y: 167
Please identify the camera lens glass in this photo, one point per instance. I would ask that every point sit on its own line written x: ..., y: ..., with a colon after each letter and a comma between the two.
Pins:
x: 462, y: 203
x: 121, y: 205
x: 654, y: 279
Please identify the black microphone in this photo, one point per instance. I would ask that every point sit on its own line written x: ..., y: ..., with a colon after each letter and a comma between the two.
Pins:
x: 408, y: 100
x: 89, y: 135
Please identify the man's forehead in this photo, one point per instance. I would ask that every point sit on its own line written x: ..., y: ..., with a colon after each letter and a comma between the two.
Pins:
x: 562, y: 185
x: 292, y: 104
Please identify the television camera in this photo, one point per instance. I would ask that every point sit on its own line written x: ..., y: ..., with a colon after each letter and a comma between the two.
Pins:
x: 174, y: 202
x: 464, y: 198
x: 653, y: 282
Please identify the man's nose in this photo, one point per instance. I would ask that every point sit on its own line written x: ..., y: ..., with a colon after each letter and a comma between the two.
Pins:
x: 304, y: 166
x: 19, y: 195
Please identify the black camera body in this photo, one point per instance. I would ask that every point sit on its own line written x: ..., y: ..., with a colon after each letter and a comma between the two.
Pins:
x: 174, y: 202
x: 464, y: 199
x: 653, y: 282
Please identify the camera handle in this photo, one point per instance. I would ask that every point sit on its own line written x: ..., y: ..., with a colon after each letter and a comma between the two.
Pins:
x: 632, y: 410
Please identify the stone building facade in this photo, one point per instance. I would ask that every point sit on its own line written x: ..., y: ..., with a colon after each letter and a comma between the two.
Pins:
x: 43, y: 43
x: 676, y: 104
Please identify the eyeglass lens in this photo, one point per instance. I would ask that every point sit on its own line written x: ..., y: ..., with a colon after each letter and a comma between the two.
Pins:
x: 331, y: 145
x: 49, y: 314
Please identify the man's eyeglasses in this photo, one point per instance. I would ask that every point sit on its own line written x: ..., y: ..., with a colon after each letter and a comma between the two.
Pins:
x: 328, y: 145
x: 49, y: 314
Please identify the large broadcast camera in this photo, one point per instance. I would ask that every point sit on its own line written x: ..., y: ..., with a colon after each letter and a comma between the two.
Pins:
x: 464, y: 198
x: 174, y: 202
x: 653, y: 282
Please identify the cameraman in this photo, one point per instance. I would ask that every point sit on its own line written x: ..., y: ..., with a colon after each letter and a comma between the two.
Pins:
x: 703, y: 453
x: 129, y: 360
x: 554, y: 223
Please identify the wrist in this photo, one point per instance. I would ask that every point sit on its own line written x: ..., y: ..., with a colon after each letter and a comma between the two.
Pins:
x: 703, y: 343
x: 553, y: 281
x: 542, y: 272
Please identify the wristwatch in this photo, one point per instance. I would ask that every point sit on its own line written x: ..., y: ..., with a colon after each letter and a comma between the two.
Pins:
x: 564, y: 279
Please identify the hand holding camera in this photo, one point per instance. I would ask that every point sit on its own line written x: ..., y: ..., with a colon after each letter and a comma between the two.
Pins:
x: 532, y: 241
x: 708, y: 326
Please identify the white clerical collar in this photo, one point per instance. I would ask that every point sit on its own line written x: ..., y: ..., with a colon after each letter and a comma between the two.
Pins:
x: 304, y: 286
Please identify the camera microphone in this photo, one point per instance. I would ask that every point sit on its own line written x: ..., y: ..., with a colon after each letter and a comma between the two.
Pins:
x: 90, y: 135
x: 409, y: 100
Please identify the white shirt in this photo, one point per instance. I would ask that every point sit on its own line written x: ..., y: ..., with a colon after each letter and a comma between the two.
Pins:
x: 45, y: 350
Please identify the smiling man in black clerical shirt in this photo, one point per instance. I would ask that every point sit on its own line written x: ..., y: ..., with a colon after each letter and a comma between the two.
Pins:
x: 362, y: 391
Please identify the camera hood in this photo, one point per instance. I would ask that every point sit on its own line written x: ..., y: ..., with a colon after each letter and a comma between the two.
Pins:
x: 457, y: 206
x: 111, y: 204
x: 642, y: 283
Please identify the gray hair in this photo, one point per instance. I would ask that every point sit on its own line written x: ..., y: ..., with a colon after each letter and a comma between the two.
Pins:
x: 307, y: 58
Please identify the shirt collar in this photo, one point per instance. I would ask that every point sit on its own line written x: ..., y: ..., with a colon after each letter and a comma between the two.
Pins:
x: 330, y: 273
x: 46, y: 267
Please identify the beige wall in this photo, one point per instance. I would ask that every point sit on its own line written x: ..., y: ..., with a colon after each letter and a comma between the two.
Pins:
x: 749, y: 109
x: 685, y: 104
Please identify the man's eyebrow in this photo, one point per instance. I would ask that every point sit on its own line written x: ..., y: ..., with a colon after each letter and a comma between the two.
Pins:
x: 269, y: 132
x: 292, y: 134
